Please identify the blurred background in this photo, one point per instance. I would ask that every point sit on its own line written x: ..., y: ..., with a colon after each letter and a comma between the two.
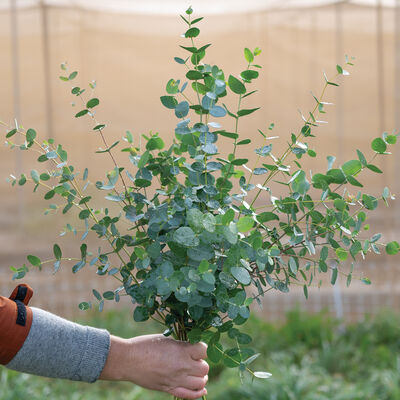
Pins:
x: 127, y: 47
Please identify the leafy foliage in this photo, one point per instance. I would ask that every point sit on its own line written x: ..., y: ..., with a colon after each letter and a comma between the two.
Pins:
x: 199, y: 250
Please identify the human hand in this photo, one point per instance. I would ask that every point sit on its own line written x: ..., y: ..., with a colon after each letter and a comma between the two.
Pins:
x: 159, y: 363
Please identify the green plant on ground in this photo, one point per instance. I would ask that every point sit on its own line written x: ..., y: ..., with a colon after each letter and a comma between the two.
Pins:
x: 185, y: 230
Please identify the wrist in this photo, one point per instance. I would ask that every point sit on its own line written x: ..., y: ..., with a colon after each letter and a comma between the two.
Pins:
x: 117, y: 366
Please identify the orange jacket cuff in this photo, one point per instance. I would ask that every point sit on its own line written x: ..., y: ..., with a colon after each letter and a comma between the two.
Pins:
x: 12, y: 334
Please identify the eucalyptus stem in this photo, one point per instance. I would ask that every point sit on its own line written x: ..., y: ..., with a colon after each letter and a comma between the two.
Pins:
x: 285, y: 154
x: 180, y: 334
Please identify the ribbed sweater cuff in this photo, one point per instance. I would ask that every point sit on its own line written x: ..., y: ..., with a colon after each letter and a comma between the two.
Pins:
x: 58, y: 348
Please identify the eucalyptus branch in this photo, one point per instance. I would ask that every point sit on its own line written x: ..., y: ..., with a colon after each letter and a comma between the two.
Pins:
x: 100, y: 130
x: 193, y: 248
x: 287, y: 151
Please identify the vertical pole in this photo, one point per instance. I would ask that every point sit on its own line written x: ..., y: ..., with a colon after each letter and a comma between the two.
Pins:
x: 380, y: 66
x: 380, y: 81
x: 337, y: 294
x: 17, y: 106
x: 265, y: 49
x: 339, y: 93
x: 47, y: 69
x: 313, y: 46
x: 397, y: 92
x: 294, y: 32
x: 338, y: 301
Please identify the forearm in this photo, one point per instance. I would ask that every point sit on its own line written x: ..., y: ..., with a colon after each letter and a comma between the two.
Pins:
x: 119, y: 360
x: 59, y: 348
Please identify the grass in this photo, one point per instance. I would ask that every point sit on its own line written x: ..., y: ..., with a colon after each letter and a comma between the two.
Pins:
x: 311, y: 357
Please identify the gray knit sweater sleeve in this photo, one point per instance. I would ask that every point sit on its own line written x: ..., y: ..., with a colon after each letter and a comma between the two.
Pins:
x: 58, y: 348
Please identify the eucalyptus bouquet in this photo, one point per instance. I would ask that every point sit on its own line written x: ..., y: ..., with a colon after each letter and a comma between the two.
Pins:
x: 197, y: 252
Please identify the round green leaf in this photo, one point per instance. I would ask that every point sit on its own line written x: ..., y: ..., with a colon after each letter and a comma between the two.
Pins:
x: 84, y: 214
x: 84, y: 305
x: 209, y: 222
x: 336, y: 176
x: 242, y: 113
x: 194, y: 217
x: 392, y: 248
x: 172, y: 86
x: 214, y: 352
x: 370, y: 202
x: 185, y: 237
x: 362, y: 158
x: 239, y: 161
x: 378, y: 145
x: 245, y: 224
x: 342, y: 254
x: 99, y: 128
x: 92, y: 103
x: 324, y: 253
x: 22, y: 180
x: 11, y: 133
x: 241, y: 275
x: 57, y: 252
x: 44, y: 176
x: 197, y: 57
x: 81, y: 113
x: 249, y: 74
x: 200, y: 88
x: 35, y: 261
x: 109, y: 295
x: 374, y: 168
x: 248, y: 55
x: 209, y: 278
x: 169, y: 102
x: 30, y: 135
x: 76, y: 90
x: 266, y: 217
x: 194, y: 75
x: 391, y: 139
x: 235, y: 85
x: 179, y: 60
x: 72, y: 75
x: 141, y: 314
x: 311, y: 153
x: 366, y: 281
x: 194, y: 335
x: 339, y: 204
x: 192, y: 32
x: 228, y: 216
x: 204, y: 266
x: 155, y: 143
x: 351, y: 167
x: 182, y: 109
x: 323, y: 266
x: 218, y: 111
x: 49, y: 195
